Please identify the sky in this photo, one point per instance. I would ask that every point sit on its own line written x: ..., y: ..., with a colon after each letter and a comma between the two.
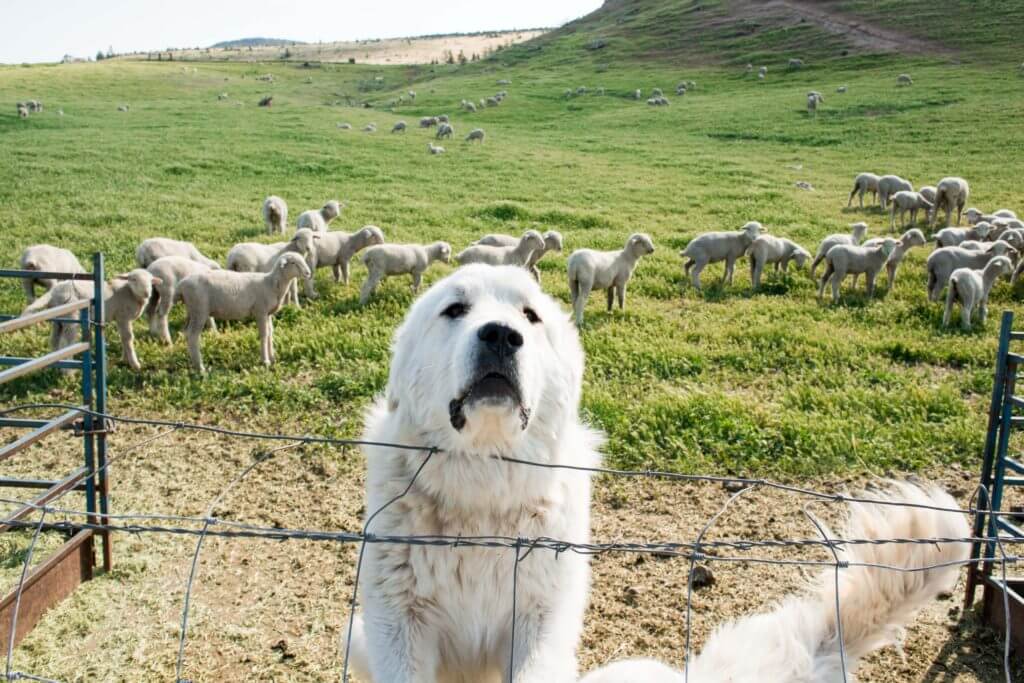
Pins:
x: 46, y: 30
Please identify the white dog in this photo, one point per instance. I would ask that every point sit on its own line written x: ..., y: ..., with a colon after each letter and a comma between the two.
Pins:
x: 485, y: 367
x: 796, y: 643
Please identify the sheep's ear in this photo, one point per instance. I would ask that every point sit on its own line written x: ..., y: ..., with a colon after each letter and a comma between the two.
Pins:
x: 317, y: 235
x: 157, y: 281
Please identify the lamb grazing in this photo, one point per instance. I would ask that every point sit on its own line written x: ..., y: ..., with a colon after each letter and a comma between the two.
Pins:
x: 492, y: 102
x: 470, y: 107
x: 856, y: 236
x: 928, y: 192
x: 908, y: 240
x: 412, y: 95
x: 763, y: 71
x: 345, y: 126
x: 1004, y: 213
x: 951, y: 237
x: 776, y: 250
x: 226, y: 295
x: 124, y: 107
x: 680, y: 90
x: 552, y: 242
x: 370, y: 128
x: 841, y: 90
x: 35, y: 106
x: 48, y: 259
x: 428, y: 121
x: 445, y: 130
x: 813, y: 99
x: 608, y: 270
x: 443, y: 118
x: 435, y: 149
x: 1003, y: 228
x: 950, y: 192
x: 167, y: 273
x: 336, y: 249
x: 385, y: 260
x: 904, y: 201
x: 942, y: 262
x: 275, y: 215
x: 656, y: 92
x: 712, y: 247
x: 517, y: 255
x: 888, y: 185
x: 795, y: 64
x: 582, y: 90
x: 318, y: 219
x: 864, y: 182
x: 124, y: 298
x: 971, y: 288
x: 904, y: 79
x: 267, y: 101
x: 158, y: 247
x: 476, y: 134
x: 483, y: 102
x: 253, y: 257
x: 222, y: 96
x: 399, y: 127
x: 22, y: 110
x: 847, y: 259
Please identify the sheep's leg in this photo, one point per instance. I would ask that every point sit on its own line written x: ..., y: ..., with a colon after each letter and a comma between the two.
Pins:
x: 695, y: 273
x: 870, y: 284
x: 372, y: 280
x: 193, y: 330
x: 336, y: 271
x: 950, y: 298
x: 264, y: 327
x: 983, y: 310
x: 163, y: 312
x: 756, y: 267
x: 890, y: 272
x: 417, y: 277
x: 124, y: 327
x: 610, y: 292
x: 55, y: 335
x: 824, y: 279
x: 730, y: 264
x: 344, y: 270
x: 29, y: 285
x: 837, y: 279
x: 270, y: 339
x: 855, y: 276
x: 622, y: 296
x: 580, y: 302
x: 965, y: 315
x: 535, y: 272
x: 309, y: 287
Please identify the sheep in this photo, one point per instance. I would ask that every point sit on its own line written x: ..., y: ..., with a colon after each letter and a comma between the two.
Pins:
x: 336, y: 249
x: 681, y: 90
x: 435, y: 149
x: 345, y: 126
x: 399, y: 127
x: 942, y: 262
x: 124, y: 107
x: 950, y: 192
x: 928, y: 192
x: 318, y: 219
x: 158, y: 247
x: 275, y: 215
x: 516, y: 255
x: 412, y: 95
x: 253, y: 257
x: 226, y: 295
x: 971, y: 288
x: 908, y: 240
x: 974, y: 245
x: 428, y: 121
x: 609, y: 270
x: 904, y: 201
x: 582, y: 90
x: 760, y: 76
x: 168, y: 272
x: 1003, y: 227
x: 445, y: 130
x: 46, y: 258
x: 470, y: 107
x: 750, y: 68
x: 712, y: 247
x: 476, y: 134
x: 951, y: 237
x: 124, y: 298
x: 504, y: 81
x: 483, y: 103
x: 762, y: 71
x: 888, y: 185
x: 552, y: 242
x: 768, y: 249
x: 492, y: 102
x: 1004, y: 213
x: 845, y: 259
x: 222, y: 96
x: 22, y: 110
x: 385, y: 260
x: 856, y: 236
x: 904, y: 79
x: 656, y: 92
x: 813, y: 99
x: 795, y: 64
x: 864, y: 182
x: 637, y: 94
x: 370, y: 128
x: 841, y: 90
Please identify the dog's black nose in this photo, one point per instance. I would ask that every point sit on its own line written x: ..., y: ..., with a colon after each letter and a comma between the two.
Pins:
x: 499, y: 339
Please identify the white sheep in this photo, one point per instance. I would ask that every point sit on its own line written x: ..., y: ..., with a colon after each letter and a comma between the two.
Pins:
x: 928, y: 192
x: 864, y: 182
x: 275, y: 215
x: 775, y: 250
x: 492, y: 102
x: 847, y: 259
x: 444, y: 130
x: 904, y: 79
x: 950, y: 192
x: 761, y: 75
x: 971, y: 288
x: 903, y: 202
x: 609, y: 270
x: 227, y: 295
x: 470, y: 107
x: 712, y: 247
x: 762, y: 71
x: 254, y: 257
x: 49, y: 259
x: 841, y: 90
x: 638, y: 94
x: 345, y: 126
x: 336, y: 249
x: 476, y: 134
x: 158, y: 247
x: 552, y: 242
x: 122, y: 108
x: 412, y: 95
x: 908, y: 240
x: 399, y: 127
x: 813, y: 99
x: 942, y: 262
x: 370, y: 128
x: 518, y: 254
x: 888, y: 185
x: 22, y: 110
x: 167, y: 273
x: 124, y: 298
x: 318, y: 219
x: 385, y: 260
x: 951, y: 237
x: 855, y: 237
x: 435, y: 149
x: 975, y: 216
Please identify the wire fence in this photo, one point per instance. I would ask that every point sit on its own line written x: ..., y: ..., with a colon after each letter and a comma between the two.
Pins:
x: 698, y: 550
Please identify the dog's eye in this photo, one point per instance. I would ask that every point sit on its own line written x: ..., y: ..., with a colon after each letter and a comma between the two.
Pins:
x: 531, y: 315
x: 456, y: 310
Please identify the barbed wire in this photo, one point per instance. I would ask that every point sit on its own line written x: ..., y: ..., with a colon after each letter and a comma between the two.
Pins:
x: 209, y: 525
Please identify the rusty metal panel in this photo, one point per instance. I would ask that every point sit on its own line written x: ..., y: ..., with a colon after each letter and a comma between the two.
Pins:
x: 994, y: 611
x: 48, y: 584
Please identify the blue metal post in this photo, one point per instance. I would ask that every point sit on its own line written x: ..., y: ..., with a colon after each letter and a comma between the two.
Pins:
x: 100, y: 351
x: 88, y: 443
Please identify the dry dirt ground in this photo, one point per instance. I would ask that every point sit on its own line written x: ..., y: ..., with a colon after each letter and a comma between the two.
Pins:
x: 275, y: 610
x: 383, y: 51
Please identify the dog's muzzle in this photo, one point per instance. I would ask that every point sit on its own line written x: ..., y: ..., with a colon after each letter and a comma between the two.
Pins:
x: 495, y: 377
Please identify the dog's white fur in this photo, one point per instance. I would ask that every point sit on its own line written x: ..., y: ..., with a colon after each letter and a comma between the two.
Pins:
x: 796, y: 643
x: 442, y: 614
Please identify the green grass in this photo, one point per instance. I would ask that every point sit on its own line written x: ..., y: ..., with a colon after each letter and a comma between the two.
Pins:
x: 724, y: 381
